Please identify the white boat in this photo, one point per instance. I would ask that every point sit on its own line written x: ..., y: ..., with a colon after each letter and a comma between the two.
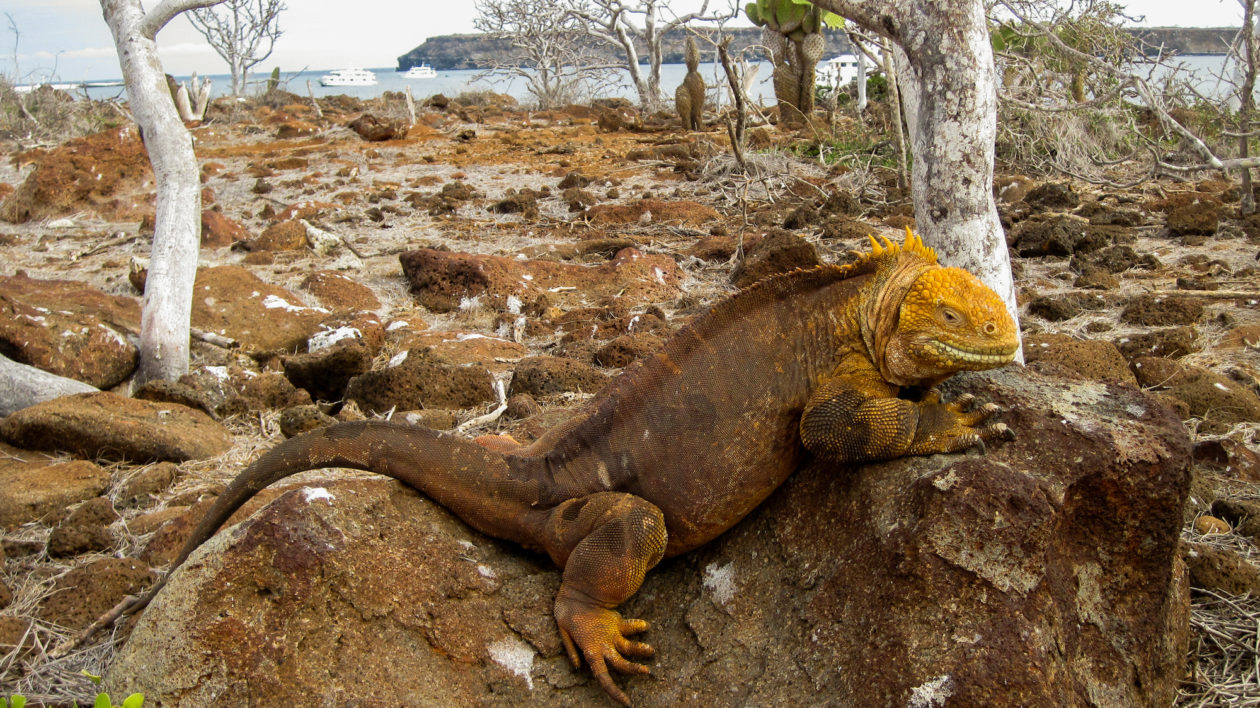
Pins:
x: 348, y: 77
x: 424, y: 71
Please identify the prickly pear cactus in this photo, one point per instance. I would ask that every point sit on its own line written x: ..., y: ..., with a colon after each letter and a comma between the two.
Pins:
x: 689, y: 96
x: 792, y: 32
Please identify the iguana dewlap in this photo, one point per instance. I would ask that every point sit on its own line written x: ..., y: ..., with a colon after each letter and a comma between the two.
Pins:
x: 685, y: 443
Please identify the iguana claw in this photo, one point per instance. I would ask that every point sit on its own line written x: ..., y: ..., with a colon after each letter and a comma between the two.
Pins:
x: 599, y: 635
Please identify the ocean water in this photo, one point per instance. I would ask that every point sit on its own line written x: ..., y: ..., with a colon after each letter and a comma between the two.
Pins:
x: 452, y: 83
x: 1202, y: 71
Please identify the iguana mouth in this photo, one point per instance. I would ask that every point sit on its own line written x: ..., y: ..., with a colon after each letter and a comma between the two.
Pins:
x: 984, y: 358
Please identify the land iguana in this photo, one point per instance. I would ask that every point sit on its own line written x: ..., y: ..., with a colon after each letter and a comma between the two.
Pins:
x: 688, y: 441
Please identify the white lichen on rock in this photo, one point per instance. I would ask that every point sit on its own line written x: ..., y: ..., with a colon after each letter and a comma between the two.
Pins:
x: 720, y: 580
x: 931, y: 694
x: 515, y: 656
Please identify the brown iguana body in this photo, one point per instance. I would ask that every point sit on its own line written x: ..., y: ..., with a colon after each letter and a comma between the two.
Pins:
x: 684, y: 444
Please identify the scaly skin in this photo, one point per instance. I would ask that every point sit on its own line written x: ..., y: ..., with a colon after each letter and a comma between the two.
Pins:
x: 685, y: 443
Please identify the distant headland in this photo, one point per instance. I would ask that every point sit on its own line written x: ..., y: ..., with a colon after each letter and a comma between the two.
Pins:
x: 476, y: 51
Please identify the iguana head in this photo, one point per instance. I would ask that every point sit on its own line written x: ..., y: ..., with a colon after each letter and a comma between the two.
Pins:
x: 950, y: 322
x: 928, y: 322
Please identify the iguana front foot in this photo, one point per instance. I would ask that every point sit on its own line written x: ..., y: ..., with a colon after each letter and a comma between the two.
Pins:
x: 599, y: 635
x: 955, y: 426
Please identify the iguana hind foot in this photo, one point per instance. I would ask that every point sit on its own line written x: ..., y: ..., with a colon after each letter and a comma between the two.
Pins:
x: 601, y: 637
x: 606, y: 542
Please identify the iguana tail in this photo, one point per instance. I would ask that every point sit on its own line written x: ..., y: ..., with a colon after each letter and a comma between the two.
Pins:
x: 472, y: 482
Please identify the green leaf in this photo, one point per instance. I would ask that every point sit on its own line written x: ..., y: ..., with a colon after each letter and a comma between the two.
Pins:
x: 91, y: 676
x: 135, y: 700
x: 17, y: 702
x: 102, y: 701
x: 832, y: 20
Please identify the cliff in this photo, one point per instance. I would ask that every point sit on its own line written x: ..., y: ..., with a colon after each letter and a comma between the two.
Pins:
x: 478, y: 51
x: 1185, y: 40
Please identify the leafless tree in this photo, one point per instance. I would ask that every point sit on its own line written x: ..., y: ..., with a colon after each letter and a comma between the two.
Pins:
x: 551, y: 43
x: 945, y: 71
x: 627, y: 25
x: 1116, y: 83
x: 164, y: 322
x: 243, y: 32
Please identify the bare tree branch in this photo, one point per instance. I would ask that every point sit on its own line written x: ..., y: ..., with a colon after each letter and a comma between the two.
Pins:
x: 158, y: 17
x: 243, y: 32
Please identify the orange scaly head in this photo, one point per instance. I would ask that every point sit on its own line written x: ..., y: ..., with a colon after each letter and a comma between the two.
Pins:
x: 948, y: 322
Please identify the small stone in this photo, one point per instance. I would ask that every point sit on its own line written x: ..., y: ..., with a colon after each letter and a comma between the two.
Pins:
x: 300, y: 419
x: 1210, y: 525
x: 85, y: 530
x: 147, y: 482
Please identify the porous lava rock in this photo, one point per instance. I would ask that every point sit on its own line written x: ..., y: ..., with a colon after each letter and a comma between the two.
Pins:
x: 89, y: 591
x: 374, y: 129
x: 1220, y: 401
x: 68, y: 328
x: 1055, y: 235
x: 93, y: 172
x: 1199, y: 218
x: 777, y: 252
x: 1064, y: 306
x: 443, y: 281
x: 1089, y: 359
x: 326, y: 372
x: 288, y: 235
x: 421, y: 381
x: 79, y: 346
x: 85, y: 530
x: 542, y: 376
x: 109, y: 426
x: 656, y: 211
x: 233, y: 302
x: 1151, y: 310
x: 1044, y: 572
x: 340, y: 292
x: 1170, y: 342
x: 1058, y: 196
x: 31, y: 491
x: 219, y: 230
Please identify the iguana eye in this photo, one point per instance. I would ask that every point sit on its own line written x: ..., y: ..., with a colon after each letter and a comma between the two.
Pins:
x: 951, y: 317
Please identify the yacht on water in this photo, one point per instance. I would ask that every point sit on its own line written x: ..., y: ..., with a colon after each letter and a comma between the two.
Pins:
x: 423, y: 71
x: 348, y: 77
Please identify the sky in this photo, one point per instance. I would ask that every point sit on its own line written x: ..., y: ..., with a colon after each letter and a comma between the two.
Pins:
x: 67, y: 40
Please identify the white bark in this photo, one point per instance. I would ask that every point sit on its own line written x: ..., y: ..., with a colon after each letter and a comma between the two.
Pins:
x: 22, y: 386
x: 164, y: 324
x: 948, y: 88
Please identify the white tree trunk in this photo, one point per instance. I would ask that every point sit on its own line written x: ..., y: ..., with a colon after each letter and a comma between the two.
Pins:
x: 164, y: 324
x: 948, y: 88
x: 22, y: 386
x: 861, y: 77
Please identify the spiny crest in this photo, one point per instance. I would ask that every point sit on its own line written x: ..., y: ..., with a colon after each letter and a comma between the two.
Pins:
x: 880, y: 252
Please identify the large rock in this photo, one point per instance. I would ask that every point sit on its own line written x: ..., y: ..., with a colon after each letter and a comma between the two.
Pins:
x: 109, y: 426
x: 68, y: 328
x: 1042, y: 573
x: 31, y: 491
x: 232, y: 301
x: 443, y: 281
x: 75, y: 346
x: 415, y: 380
